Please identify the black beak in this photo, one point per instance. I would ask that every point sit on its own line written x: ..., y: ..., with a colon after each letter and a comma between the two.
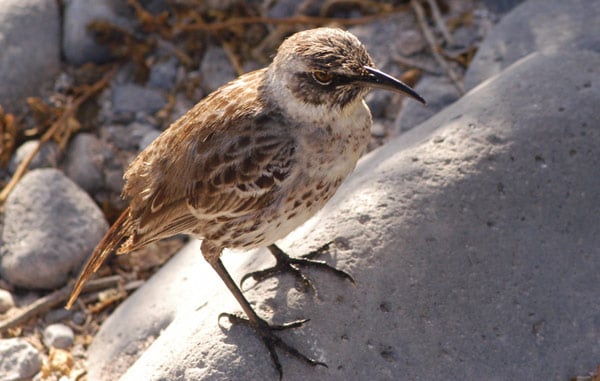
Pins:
x: 376, y: 78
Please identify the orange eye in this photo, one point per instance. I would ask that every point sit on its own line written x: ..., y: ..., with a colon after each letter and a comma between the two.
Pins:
x: 323, y: 77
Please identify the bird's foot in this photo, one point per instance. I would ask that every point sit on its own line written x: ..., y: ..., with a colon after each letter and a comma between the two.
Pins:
x: 271, y: 341
x: 286, y: 264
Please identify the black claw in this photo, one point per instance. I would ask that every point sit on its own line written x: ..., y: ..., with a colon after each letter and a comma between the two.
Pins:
x: 319, y: 251
x: 271, y: 341
x: 287, y: 264
x: 292, y: 324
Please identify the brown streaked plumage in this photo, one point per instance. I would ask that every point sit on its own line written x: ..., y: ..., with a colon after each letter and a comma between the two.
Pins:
x: 254, y: 159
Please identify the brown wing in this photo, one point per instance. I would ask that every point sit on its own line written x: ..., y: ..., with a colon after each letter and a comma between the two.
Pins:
x: 227, y: 175
x: 222, y: 158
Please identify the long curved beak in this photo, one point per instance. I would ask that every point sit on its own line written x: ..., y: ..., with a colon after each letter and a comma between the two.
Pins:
x: 376, y: 78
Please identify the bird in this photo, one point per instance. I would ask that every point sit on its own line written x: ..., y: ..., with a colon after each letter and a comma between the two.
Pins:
x: 252, y: 161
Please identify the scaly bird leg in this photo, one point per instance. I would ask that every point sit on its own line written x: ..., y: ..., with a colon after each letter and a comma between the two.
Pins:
x: 262, y: 328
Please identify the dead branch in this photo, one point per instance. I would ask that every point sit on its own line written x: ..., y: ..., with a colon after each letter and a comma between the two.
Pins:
x: 295, y: 20
x: 55, y: 298
x: 57, y: 129
x: 439, y: 21
x: 428, y: 33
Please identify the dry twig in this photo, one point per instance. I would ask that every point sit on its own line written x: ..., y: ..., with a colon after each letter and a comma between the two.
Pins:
x: 57, y: 297
x: 418, y: 8
x: 295, y: 20
x: 409, y: 62
x: 439, y: 21
x: 8, y: 136
x: 57, y: 129
x: 233, y: 58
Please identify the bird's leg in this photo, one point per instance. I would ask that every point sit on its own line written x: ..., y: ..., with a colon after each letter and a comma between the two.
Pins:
x: 264, y: 330
x: 285, y: 263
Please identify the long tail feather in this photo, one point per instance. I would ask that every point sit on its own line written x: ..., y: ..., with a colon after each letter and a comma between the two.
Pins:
x: 119, y: 230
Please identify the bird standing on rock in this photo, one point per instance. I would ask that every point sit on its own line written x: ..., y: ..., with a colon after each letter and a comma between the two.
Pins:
x: 253, y: 161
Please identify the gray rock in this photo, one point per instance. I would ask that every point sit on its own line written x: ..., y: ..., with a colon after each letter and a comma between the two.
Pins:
x: 58, y: 336
x: 19, y: 360
x: 78, y: 317
x: 6, y: 301
x: 148, y: 138
x: 163, y: 74
x: 473, y: 239
x: 132, y: 98
x: 57, y: 315
x: 155, y: 6
x: 439, y: 93
x: 50, y: 227
x: 378, y: 130
x: 284, y: 8
x: 114, y: 180
x: 216, y: 69
x: 127, y: 137
x: 84, y: 162
x: 46, y: 157
x: 30, y: 46
x: 536, y: 25
x: 386, y: 39
x: 79, y: 45
x: 390, y: 37
x: 501, y: 6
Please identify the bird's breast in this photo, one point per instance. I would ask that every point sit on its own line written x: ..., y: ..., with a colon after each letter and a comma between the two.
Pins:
x: 331, y: 147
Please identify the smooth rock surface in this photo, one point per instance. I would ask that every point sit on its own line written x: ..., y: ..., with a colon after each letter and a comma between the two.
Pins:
x: 79, y: 45
x: 163, y: 74
x: 536, y: 25
x: 384, y: 50
x: 50, y: 227
x: 501, y: 6
x: 137, y: 99
x: 19, y: 360
x: 6, y: 301
x: 439, y: 93
x: 29, y: 49
x: 58, y: 336
x: 46, y: 157
x: 474, y: 240
x: 84, y: 161
x: 216, y: 69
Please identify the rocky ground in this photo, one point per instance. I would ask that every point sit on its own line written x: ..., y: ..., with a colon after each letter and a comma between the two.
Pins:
x: 472, y: 232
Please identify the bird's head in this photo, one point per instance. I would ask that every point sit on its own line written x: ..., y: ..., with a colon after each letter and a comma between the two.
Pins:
x: 331, y: 68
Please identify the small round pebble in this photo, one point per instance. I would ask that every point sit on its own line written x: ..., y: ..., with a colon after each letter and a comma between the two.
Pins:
x: 78, y: 318
x: 6, y: 301
x: 57, y: 315
x: 47, y: 157
x: 58, y: 336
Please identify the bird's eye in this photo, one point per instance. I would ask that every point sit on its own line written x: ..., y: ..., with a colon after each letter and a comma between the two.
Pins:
x: 323, y: 77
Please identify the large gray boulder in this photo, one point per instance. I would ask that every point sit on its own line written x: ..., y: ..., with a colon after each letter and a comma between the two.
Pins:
x: 536, y: 25
x: 474, y: 240
x: 79, y: 43
x: 29, y: 49
x: 50, y: 227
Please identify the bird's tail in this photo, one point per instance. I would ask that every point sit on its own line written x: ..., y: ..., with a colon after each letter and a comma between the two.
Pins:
x: 111, y: 241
